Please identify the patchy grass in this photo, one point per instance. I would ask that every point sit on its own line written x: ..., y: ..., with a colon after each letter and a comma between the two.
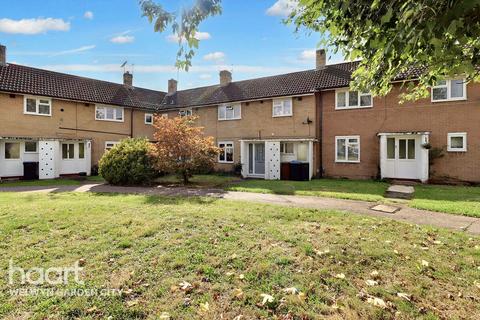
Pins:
x: 334, y: 188
x: 231, y: 253
x: 52, y: 182
x: 200, y: 180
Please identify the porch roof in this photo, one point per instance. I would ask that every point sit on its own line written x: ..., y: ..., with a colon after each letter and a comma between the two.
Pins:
x: 403, y: 133
x: 43, y: 138
x: 280, y: 139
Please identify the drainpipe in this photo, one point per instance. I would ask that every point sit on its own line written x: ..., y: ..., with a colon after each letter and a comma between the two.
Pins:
x: 131, y: 123
x: 319, y: 132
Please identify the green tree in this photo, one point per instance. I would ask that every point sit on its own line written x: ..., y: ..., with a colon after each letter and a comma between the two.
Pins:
x: 389, y: 36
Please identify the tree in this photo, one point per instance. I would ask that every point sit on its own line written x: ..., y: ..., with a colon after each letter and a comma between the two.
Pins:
x: 389, y: 36
x: 181, y: 148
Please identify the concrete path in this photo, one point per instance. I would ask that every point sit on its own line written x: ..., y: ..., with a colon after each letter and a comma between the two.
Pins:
x: 405, y: 214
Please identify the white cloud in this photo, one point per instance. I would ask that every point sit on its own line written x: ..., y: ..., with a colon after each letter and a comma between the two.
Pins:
x: 282, y: 8
x: 88, y: 15
x: 308, y: 54
x: 217, y: 56
x: 122, y: 39
x: 77, y: 50
x: 33, y: 26
x: 198, y: 35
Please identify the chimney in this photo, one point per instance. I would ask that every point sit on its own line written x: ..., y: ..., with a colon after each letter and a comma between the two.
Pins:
x: 172, y: 86
x: 128, y: 79
x: 3, y: 55
x: 321, y: 58
x: 225, y: 77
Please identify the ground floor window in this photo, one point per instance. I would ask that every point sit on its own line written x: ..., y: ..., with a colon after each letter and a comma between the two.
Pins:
x: 457, y: 142
x: 68, y: 151
x: 81, y: 150
x: 31, y: 146
x: 347, y: 149
x: 226, y: 152
x: 286, y: 148
x: 110, y: 144
x: 12, y: 150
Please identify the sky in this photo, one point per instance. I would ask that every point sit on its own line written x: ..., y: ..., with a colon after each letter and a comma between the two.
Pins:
x: 92, y: 38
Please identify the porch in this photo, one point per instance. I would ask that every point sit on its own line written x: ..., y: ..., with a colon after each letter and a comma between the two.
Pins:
x: 265, y: 158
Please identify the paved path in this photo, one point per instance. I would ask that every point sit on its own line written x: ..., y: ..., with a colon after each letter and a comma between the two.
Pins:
x: 406, y: 214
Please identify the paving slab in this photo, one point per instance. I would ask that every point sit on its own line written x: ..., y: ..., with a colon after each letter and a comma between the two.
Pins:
x: 400, y: 192
x: 385, y: 208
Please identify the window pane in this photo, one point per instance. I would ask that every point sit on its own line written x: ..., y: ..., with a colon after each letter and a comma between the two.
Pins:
x: 353, y: 98
x: 44, y: 109
x: 456, y: 88
x: 100, y: 113
x: 366, y: 101
x: 341, y: 149
x: 456, y: 142
x: 221, y: 112
x: 390, y: 148
x: 353, y: 152
x: 119, y: 114
x: 287, y: 107
x: 64, y: 151
x: 441, y: 83
x: 341, y: 102
x: 439, y: 93
x: 31, y: 105
x: 277, y: 110
x: 81, y: 150
x: 411, y: 148
x: 229, y: 152
x: 71, y: 151
x: 30, y: 146
x: 229, y: 113
x: 402, y: 149
x: 237, y: 111
x: 12, y: 150
x: 110, y: 114
x: 148, y: 118
x: 302, y: 152
x: 289, y: 148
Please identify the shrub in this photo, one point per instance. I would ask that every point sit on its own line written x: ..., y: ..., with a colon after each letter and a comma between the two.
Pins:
x: 128, y: 163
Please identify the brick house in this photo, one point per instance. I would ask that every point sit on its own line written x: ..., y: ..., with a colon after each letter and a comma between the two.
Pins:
x: 267, y: 125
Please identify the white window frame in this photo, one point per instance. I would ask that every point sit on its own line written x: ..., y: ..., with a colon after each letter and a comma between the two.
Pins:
x: 105, y: 107
x: 451, y: 135
x: 25, y: 147
x: 233, y: 105
x: 225, y: 153
x: 281, y: 102
x: 448, y: 85
x: 37, y: 108
x: 165, y: 115
x: 185, y: 112
x: 282, y: 146
x: 347, y: 102
x: 4, y: 156
x: 113, y: 143
x: 148, y: 115
x: 346, y: 149
x: 68, y: 149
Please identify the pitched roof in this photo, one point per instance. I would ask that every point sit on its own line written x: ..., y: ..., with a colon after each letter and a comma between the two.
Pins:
x: 295, y: 83
x: 28, y: 80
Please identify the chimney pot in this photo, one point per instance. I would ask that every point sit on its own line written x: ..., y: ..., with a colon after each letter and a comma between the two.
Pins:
x: 3, y: 55
x: 128, y: 79
x: 225, y: 77
x: 172, y: 86
x: 321, y: 58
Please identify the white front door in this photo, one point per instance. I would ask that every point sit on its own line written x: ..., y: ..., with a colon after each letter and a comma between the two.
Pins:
x: 403, y: 159
x: 256, y: 159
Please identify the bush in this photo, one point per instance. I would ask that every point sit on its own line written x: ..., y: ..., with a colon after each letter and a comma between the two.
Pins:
x: 128, y: 163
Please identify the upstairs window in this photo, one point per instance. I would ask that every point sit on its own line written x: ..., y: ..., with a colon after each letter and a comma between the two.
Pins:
x: 107, y: 113
x: 282, y: 107
x: 185, y: 112
x: 448, y: 90
x: 38, y: 106
x: 226, y: 152
x: 457, y: 142
x: 148, y: 118
x: 347, y: 149
x: 352, y: 99
x: 229, y: 112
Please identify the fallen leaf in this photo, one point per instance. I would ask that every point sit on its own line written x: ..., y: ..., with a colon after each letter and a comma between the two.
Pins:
x: 437, y: 242
x: 340, y: 276
x: 291, y: 290
x: 241, y: 276
x: 266, y: 298
x: 321, y: 253
x: 404, y: 296
x: 204, y: 307
x: 238, y: 293
x: 302, y: 296
x: 377, y: 302
x: 229, y: 274
x: 132, y: 303
x: 240, y: 317
x: 374, y: 273
x: 184, y: 285
x: 164, y: 316
x: 425, y: 263
x: 395, y: 251
x: 371, y: 283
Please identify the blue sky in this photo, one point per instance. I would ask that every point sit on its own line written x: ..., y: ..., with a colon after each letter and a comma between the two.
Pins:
x: 93, y: 37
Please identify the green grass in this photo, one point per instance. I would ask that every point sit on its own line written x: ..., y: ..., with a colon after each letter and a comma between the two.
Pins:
x: 52, y: 182
x: 145, y: 246
x: 334, y: 188
x: 200, y: 180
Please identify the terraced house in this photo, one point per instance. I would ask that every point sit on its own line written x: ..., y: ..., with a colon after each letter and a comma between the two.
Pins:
x: 292, y: 126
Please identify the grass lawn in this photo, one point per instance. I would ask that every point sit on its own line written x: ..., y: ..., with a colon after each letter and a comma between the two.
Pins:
x: 226, y: 255
x: 200, y: 180
x: 53, y: 182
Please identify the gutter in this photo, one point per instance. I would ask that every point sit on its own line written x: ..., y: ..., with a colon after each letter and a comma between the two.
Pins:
x: 319, y: 132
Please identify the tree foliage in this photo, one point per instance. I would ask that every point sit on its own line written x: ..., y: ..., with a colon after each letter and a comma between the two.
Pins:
x: 181, y: 148
x: 184, y: 25
x: 440, y: 36
x: 389, y: 36
x: 128, y: 163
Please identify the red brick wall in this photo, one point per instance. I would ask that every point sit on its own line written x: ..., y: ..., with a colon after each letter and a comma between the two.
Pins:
x: 387, y: 115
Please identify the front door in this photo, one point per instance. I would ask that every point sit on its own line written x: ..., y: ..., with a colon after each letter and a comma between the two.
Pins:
x: 256, y: 158
x: 402, y: 157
